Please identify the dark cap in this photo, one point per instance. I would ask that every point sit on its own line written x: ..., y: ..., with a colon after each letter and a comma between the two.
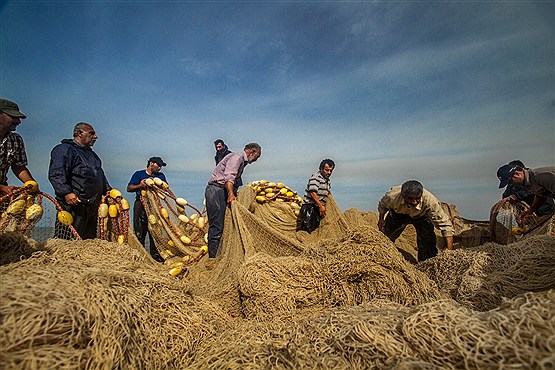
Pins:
x: 158, y: 161
x: 505, y: 173
x: 10, y: 108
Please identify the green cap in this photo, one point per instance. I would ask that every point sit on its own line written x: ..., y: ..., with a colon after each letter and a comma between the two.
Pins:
x: 11, y: 108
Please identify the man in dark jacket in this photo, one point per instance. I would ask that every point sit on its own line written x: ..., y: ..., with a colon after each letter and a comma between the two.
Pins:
x: 78, y: 180
x: 514, y: 192
x: 221, y: 150
x: 538, y: 181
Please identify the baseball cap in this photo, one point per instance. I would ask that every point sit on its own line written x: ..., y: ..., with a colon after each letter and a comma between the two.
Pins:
x: 11, y: 108
x: 505, y: 173
x: 158, y: 161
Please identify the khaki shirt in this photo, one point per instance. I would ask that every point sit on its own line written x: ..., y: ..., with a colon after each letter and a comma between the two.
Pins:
x: 428, y: 206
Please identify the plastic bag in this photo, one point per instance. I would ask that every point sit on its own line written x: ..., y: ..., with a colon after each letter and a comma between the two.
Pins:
x: 309, y: 217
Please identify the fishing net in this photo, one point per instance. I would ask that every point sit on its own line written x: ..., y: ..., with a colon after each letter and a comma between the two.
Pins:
x: 480, y: 277
x: 21, y: 210
x: 382, y: 334
x: 505, y: 227
x: 363, y: 266
x: 113, y: 218
x: 25, y: 212
x: 179, y: 236
x: 97, y: 306
x: 342, y: 297
x: 250, y: 227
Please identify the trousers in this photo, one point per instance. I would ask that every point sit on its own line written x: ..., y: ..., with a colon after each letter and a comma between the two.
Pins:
x: 140, y: 226
x: 85, y: 219
x: 395, y: 223
x: 216, y: 204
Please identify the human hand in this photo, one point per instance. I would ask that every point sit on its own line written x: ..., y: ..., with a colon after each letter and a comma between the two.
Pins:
x: 72, y: 199
x: 381, y: 225
x: 230, y: 198
x: 5, y: 189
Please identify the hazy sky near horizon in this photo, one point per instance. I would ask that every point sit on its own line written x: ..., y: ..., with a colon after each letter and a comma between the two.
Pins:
x: 441, y: 92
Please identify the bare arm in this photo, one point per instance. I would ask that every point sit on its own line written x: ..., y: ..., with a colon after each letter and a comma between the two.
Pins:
x: 321, y: 207
x: 22, y: 173
x: 230, y: 194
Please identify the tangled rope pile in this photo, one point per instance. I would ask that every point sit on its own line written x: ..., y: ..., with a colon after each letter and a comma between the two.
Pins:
x: 380, y: 334
x: 361, y: 267
x: 180, y: 237
x: 99, y: 306
x: 275, y: 298
x: 480, y: 277
x: 22, y: 209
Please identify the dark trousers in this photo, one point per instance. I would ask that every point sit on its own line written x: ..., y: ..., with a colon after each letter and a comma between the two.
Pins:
x: 216, y: 204
x: 395, y: 223
x: 140, y: 225
x: 85, y: 219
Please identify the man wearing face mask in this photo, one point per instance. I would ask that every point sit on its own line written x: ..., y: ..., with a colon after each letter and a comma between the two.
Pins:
x: 221, y: 150
x: 78, y: 180
x: 410, y: 203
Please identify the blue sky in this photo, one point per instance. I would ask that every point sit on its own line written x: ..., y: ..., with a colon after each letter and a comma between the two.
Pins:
x: 441, y: 92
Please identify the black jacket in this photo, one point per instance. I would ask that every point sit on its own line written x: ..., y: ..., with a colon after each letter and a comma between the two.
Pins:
x: 76, y: 169
x: 220, y: 154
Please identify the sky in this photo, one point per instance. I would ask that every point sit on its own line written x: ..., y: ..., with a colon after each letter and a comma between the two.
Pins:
x: 443, y: 92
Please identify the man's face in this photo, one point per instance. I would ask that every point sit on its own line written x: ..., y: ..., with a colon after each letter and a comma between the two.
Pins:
x: 8, y: 123
x: 154, y: 167
x: 411, y: 200
x: 327, y: 171
x: 517, y: 178
x: 252, y: 155
x: 219, y: 146
x: 87, y: 136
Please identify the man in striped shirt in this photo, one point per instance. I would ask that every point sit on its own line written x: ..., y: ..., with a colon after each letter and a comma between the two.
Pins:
x: 315, y: 197
x: 12, y: 148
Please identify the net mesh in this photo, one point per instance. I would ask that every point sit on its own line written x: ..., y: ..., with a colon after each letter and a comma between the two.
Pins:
x: 342, y: 297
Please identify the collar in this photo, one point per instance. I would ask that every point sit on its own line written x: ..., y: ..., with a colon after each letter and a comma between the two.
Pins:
x: 526, y: 178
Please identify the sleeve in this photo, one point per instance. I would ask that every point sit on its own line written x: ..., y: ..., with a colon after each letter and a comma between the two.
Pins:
x: 547, y: 180
x: 134, y: 180
x: 59, y: 172
x: 313, y: 184
x: 439, y: 217
x: 20, y: 156
x: 384, y: 204
x: 107, y: 186
x: 232, y: 168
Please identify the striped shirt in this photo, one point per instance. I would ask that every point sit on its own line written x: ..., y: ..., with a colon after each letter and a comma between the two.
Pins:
x: 428, y: 206
x: 319, y: 185
x: 12, y: 152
